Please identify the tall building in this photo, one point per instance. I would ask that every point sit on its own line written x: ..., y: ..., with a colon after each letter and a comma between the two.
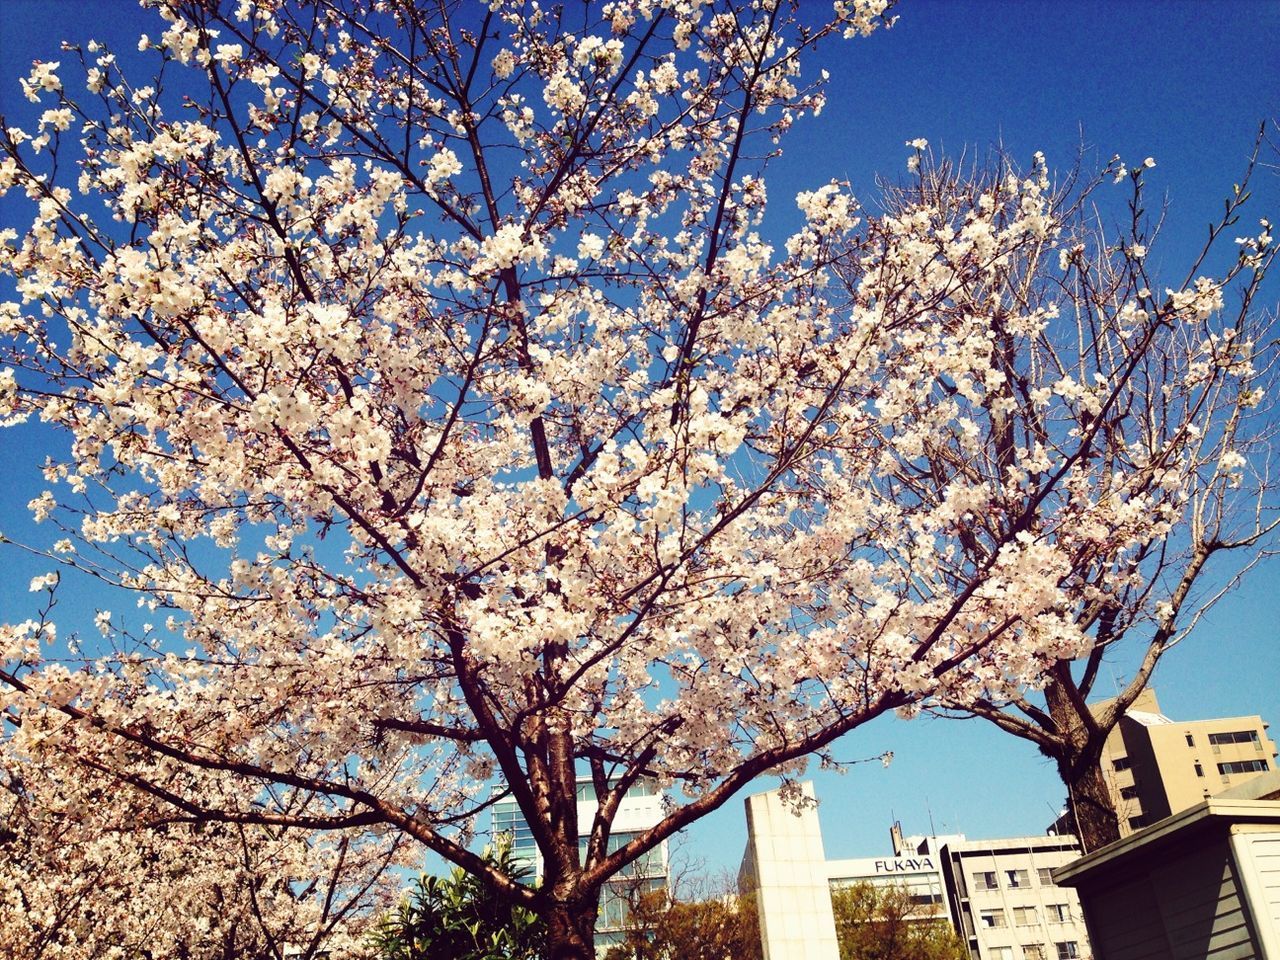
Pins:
x: 1157, y: 766
x: 1005, y: 904
x: 640, y: 809
x: 785, y: 869
x: 998, y: 895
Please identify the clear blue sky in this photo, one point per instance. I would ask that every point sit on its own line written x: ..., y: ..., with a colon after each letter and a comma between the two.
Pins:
x: 1185, y: 82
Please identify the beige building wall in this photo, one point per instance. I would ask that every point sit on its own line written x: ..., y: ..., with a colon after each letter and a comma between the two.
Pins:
x: 1008, y: 906
x: 1158, y: 766
x: 786, y: 867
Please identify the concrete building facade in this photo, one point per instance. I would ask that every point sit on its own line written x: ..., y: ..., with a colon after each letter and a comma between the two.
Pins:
x: 999, y: 895
x: 785, y: 869
x: 1157, y: 766
x: 1005, y: 904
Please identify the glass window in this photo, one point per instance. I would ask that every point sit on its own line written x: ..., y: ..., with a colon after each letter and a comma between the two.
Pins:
x: 1121, y: 763
x: 1199, y: 770
x: 616, y: 899
x: 1235, y: 736
x: 1033, y: 951
x: 1024, y: 916
x: 1128, y: 793
x: 993, y: 918
x: 1135, y: 822
x: 644, y: 787
x: 648, y: 864
x: 1060, y: 912
x: 1017, y: 878
x: 1045, y: 876
x: 985, y: 880
x: 1191, y: 741
x: 1242, y: 766
x: 1068, y: 950
x: 506, y: 818
x: 1000, y: 953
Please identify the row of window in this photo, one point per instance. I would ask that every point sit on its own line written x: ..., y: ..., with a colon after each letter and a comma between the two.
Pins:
x: 644, y: 787
x: 1013, y: 879
x: 648, y: 864
x: 1242, y: 766
x: 1024, y: 916
x: 1238, y: 736
x: 616, y: 899
x: 508, y: 819
x: 1065, y: 950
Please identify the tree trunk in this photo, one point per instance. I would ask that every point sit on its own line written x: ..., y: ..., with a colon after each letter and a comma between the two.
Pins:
x: 1078, y: 753
x: 1091, y: 805
x: 571, y: 933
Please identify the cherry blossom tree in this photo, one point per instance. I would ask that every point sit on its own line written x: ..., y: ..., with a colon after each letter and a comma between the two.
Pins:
x: 1145, y: 383
x: 429, y: 372
x: 90, y: 870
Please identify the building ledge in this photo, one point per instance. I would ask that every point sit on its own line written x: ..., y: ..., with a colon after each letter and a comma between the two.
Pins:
x: 1213, y: 813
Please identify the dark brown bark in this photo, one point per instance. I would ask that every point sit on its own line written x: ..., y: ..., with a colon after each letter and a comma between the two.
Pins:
x: 1090, y: 805
x: 571, y: 931
x: 1077, y: 750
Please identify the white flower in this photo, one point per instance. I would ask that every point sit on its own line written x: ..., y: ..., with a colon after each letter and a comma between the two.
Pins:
x: 58, y: 119
x: 43, y: 76
x: 42, y: 506
x: 919, y: 143
x: 43, y: 582
x: 1231, y: 462
x: 444, y: 165
x: 590, y: 246
x: 504, y: 64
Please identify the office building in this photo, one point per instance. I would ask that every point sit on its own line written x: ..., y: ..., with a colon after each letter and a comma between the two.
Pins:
x: 1004, y: 902
x: 998, y: 895
x: 640, y: 809
x: 1157, y: 766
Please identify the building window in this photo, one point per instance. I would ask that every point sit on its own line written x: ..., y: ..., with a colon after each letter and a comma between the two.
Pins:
x: 1068, y: 950
x: 508, y: 819
x: 1024, y: 916
x: 1045, y: 876
x: 1236, y: 736
x: 1191, y: 741
x: 1017, y: 879
x: 1033, y: 951
x: 1199, y: 770
x: 1060, y: 912
x: 1242, y: 766
x: 985, y: 880
x: 649, y: 864
x: 1129, y: 793
x: 992, y: 918
x: 1121, y: 763
x: 1000, y: 953
x: 1136, y: 822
